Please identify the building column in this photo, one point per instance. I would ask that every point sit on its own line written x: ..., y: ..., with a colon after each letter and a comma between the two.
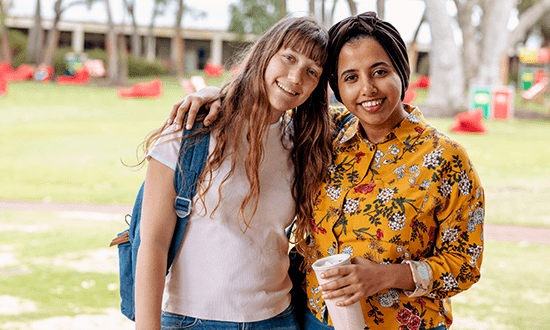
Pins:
x: 151, y: 47
x: 216, y: 46
x: 77, y: 39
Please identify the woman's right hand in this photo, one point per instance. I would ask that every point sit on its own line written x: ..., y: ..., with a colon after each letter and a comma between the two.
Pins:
x: 207, y: 97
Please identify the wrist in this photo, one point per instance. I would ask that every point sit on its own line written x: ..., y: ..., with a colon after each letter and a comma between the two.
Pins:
x: 399, y: 276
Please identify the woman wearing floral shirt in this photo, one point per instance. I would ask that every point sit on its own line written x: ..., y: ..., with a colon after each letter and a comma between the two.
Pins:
x: 401, y: 198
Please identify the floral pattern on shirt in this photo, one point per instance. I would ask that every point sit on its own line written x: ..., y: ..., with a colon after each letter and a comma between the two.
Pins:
x: 414, y: 197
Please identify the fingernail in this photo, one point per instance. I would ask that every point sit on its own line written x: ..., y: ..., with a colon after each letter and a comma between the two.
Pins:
x: 178, y: 127
x: 323, y: 276
x: 189, y: 126
x: 206, y: 123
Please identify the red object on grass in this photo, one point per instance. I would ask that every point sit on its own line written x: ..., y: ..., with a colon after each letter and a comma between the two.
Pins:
x: 421, y: 82
x: 410, y: 95
x: 6, y: 69
x: 152, y: 89
x: 80, y: 78
x: 469, y: 122
x: 213, y: 70
x: 3, y: 85
x: 22, y: 73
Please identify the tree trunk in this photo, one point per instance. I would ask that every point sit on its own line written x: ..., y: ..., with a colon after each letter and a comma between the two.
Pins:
x: 51, y: 46
x: 495, y: 40
x: 178, y: 43
x: 332, y: 11
x: 312, y: 11
x: 446, y: 93
x: 6, y: 53
x: 381, y: 8
x: 52, y: 41
x: 36, y: 37
x: 112, y: 54
x: 136, y: 40
x: 177, y: 54
x: 413, y: 53
x: 527, y: 20
x: 323, y: 13
x: 352, y: 7
x: 150, y: 52
x: 470, y: 49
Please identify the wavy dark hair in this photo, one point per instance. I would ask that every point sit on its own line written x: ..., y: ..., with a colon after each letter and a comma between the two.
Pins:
x: 245, y: 108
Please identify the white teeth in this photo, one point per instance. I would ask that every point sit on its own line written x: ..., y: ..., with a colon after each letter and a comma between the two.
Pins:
x: 286, y: 89
x: 371, y: 104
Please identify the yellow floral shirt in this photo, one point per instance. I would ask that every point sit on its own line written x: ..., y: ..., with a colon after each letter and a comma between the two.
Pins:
x: 413, y: 198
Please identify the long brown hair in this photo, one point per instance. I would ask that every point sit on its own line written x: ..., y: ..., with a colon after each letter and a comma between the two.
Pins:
x: 245, y: 108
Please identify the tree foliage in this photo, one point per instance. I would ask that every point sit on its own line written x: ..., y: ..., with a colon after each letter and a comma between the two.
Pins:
x: 255, y: 16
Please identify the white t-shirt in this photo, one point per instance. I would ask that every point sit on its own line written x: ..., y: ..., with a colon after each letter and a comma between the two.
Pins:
x: 222, y: 271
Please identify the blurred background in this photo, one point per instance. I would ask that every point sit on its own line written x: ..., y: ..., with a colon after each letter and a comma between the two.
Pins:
x: 82, y: 83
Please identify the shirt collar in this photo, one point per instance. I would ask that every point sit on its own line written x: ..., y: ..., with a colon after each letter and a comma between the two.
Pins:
x: 408, y: 131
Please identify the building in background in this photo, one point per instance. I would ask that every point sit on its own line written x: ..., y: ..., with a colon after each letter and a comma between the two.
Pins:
x: 201, y: 46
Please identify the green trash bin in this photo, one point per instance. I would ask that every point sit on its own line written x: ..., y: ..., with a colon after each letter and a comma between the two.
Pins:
x: 526, y: 77
x: 480, y: 98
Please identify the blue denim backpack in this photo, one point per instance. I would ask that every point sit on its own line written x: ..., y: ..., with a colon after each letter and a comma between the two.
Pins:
x: 191, y: 164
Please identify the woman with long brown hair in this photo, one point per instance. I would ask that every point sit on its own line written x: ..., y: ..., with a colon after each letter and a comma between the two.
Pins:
x: 401, y: 198
x: 231, y: 269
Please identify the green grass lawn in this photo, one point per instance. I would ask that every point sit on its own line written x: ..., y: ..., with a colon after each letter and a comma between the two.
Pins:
x: 67, y: 143
x: 513, y: 293
x: 59, y: 262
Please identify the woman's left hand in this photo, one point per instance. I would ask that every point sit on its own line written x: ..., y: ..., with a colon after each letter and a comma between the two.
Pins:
x: 362, y: 279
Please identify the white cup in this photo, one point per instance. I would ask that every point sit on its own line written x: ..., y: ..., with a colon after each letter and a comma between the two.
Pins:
x: 343, y: 317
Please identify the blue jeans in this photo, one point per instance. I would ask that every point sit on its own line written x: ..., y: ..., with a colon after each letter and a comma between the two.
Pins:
x: 284, y: 321
x: 310, y: 322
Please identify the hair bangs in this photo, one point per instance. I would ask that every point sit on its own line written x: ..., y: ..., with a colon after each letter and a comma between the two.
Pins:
x: 313, y: 44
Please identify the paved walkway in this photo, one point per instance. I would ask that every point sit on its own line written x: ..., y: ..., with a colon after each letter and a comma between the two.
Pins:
x: 492, y: 232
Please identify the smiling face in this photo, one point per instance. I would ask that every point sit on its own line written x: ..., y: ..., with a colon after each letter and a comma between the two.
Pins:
x: 290, y: 78
x: 370, y: 87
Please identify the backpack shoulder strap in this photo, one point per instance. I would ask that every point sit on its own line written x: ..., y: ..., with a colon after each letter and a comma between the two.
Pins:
x: 194, y: 151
